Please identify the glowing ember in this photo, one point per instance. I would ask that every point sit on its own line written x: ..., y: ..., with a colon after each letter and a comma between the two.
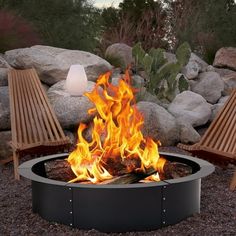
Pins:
x: 116, y: 136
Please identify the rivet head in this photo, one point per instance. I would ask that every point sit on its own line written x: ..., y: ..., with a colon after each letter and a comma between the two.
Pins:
x: 164, y: 186
x: 69, y: 188
x: 164, y: 222
x: 164, y: 198
x: 70, y: 212
x: 70, y: 200
x: 164, y: 210
x: 70, y: 224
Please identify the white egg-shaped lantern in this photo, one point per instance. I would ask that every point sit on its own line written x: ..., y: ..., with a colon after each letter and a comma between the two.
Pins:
x: 76, y: 81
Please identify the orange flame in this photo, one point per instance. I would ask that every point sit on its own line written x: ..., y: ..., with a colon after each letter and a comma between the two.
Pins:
x: 116, y: 135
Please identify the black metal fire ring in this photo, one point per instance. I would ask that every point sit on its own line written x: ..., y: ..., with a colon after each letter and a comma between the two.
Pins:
x: 116, y: 208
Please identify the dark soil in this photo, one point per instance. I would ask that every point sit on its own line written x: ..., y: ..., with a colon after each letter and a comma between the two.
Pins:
x: 217, y: 217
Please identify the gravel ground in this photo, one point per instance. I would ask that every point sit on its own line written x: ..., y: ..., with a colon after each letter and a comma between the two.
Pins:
x: 217, y: 217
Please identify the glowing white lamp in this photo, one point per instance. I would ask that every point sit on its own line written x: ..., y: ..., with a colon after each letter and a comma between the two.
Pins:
x: 76, y: 81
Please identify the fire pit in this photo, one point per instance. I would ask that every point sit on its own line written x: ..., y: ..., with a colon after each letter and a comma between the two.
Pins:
x: 116, y: 208
x: 97, y: 192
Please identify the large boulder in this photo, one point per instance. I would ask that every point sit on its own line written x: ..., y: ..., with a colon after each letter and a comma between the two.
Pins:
x: 5, y: 123
x: 191, y: 108
x: 3, y: 77
x: 209, y: 85
x: 202, y: 64
x: 52, y: 64
x: 70, y: 110
x: 4, y: 63
x: 225, y: 57
x: 191, y: 70
x: 120, y: 54
x: 217, y: 107
x: 229, y: 78
x: 4, y: 67
x: 5, y: 148
x: 159, y: 123
x: 188, y: 134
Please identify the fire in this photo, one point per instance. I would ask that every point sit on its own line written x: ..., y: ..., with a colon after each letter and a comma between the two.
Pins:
x: 116, y: 136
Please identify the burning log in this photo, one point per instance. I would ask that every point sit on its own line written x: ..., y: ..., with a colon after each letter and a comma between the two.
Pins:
x: 171, y: 170
x: 59, y: 170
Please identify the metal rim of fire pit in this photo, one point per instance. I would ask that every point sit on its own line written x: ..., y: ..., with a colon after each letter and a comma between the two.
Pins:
x: 116, y: 208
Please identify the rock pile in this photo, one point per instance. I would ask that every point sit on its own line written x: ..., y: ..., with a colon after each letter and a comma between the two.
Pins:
x: 169, y: 122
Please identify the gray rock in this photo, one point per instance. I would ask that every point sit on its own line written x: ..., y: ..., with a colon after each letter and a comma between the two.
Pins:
x: 225, y: 57
x: 5, y: 148
x: 191, y: 70
x: 136, y: 80
x: 203, y: 65
x: 209, y: 85
x: 71, y: 136
x: 159, y: 124
x: 222, y: 71
x: 191, y: 108
x: 170, y: 57
x: 4, y: 63
x: 230, y: 83
x: 45, y: 87
x: 120, y: 53
x: 188, y: 134
x: 70, y: 110
x: 217, y: 107
x: 5, y: 123
x: 210, y: 68
x: 52, y: 64
x: 3, y: 77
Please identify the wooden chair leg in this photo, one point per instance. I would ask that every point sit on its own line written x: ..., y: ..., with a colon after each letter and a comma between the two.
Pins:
x: 16, y: 164
x: 233, y: 182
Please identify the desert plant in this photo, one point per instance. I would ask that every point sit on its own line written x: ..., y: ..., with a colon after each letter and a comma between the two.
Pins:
x: 162, y: 76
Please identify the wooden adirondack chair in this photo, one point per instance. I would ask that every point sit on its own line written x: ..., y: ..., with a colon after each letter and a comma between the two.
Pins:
x: 219, y: 141
x: 35, y: 128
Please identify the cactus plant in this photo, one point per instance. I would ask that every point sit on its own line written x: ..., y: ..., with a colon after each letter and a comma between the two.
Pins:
x: 162, y: 76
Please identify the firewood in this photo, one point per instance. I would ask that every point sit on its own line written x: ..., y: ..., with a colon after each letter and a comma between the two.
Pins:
x: 172, y: 170
x: 129, y: 178
x: 59, y: 170
x: 117, y: 166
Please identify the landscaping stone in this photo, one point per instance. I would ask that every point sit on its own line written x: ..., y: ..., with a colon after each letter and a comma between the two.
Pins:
x: 188, y: 134
x: 225, y: 57
x: 120, y: 54
x: 70, y: 110
x: 5, y: 123
x: 4, y: 63
x: 191, y: 70
x: 71, y: 136
x: 229, y: 78
x: 136, y: 80
x: 52, y: 64
x: 217, y: 107
x: 5, y: 148
x: 209, y: 85
x: 3, y: 77
x: 210, y: 68
x: 171, y: 57
x: 159, y: 124
x: 191, y: 108
x: 194, y: 58
x: 230, y: 83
